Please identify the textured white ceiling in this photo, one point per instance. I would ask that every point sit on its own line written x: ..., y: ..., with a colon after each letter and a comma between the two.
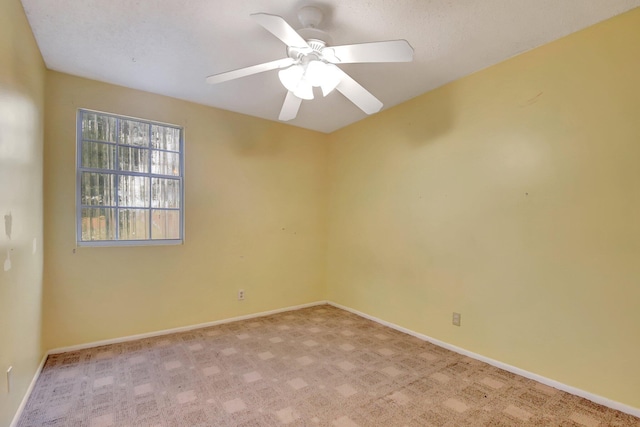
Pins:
x: 169, y: 46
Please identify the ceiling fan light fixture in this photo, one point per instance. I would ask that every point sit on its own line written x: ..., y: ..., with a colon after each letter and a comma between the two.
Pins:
x: 302, y: 78
x: 322, y: 74
x: 304, y: 90
x: 290, y: 77
x: 330, y: 80
x: 315, y: 73
x: 293, y: 78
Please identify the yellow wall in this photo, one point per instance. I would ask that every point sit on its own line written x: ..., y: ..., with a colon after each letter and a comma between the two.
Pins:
x: 22, y: 78
x: 255, y: 210
x: 513, y: 197
x: 510, y: 196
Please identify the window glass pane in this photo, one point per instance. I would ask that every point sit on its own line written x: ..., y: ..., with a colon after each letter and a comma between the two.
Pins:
x: 165, y: 138
x: 165, y: 224
x: 98, y: 224
x: 134, y: 133
x: 134, y: 224
x: 164, y: 163
x: 98, y: 189
x: 130, y: 178
x: 133, y: 159
x: 165, y: 193
x: 133, y: 191
x: 98, y: 155
x: 99, y: 127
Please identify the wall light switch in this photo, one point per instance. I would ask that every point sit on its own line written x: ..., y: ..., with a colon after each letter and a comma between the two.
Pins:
x: 456, y: 319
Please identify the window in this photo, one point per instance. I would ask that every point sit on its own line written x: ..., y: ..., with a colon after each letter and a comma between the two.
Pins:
x: 129, y: 186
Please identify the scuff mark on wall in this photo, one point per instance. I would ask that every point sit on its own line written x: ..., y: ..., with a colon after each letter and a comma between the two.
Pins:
x: 7, y: 224
x: 531, y: 101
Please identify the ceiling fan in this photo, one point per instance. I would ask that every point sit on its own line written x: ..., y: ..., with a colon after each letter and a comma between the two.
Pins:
x: 311, y: 62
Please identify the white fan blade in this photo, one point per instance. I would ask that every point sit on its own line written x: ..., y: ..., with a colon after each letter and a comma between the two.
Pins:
x: 277, y: 26
x: 358, y: 95
x: 247, y: 71
x: 387, y: 51
x: 290, y: 107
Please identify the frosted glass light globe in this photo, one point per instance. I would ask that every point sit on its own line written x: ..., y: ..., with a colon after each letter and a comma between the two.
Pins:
x: 290, y: 77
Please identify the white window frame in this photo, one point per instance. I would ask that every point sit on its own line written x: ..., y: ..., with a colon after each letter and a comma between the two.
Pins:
x: 117, y: 172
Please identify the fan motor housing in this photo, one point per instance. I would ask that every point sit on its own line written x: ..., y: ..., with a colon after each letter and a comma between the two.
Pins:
x: 315, y: 44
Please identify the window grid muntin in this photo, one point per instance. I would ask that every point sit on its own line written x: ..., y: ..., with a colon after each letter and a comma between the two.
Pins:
x: 118, y: 172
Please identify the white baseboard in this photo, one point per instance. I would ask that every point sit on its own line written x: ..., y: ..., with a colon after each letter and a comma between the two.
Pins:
x: 180, y: 329
x: 23, y: 403
x: 547, y: 381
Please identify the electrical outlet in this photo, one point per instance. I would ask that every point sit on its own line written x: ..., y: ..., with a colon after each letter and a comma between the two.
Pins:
x: 240, y: 294
x: 456, y: 319
x: 9, y: 379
